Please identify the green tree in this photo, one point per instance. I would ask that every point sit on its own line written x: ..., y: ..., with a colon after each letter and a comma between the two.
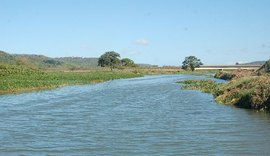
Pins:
x: 191, y: 62
x: 109, y: 59
x: 127, y: 62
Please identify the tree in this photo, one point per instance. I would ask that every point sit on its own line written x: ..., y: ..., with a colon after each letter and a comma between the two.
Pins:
x: 109, y: 59
x: 127, y: 62
x: 191, y: 62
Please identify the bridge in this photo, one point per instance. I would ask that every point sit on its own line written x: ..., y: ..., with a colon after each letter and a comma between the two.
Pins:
x: 228, y: 67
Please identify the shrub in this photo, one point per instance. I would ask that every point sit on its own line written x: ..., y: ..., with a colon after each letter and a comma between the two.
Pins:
x: 247, y: 92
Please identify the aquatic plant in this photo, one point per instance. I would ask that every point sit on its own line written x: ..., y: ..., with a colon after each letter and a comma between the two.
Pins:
x: 208, y: 86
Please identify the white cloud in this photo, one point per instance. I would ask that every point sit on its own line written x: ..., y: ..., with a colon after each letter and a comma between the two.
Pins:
x: 142, y: 41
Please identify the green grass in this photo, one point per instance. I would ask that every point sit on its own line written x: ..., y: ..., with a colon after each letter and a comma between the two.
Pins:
x: 20, y: 78
x: 207, y: 86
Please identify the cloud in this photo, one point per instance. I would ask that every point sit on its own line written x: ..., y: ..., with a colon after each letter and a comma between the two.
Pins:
x: 142, y: 42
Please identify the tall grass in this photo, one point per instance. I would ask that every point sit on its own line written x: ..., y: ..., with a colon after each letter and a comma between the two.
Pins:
x: 247, y: 92
x: 251, y: 92
x: 207, y: 86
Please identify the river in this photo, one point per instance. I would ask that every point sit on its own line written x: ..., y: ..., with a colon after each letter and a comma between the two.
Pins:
x: 150, y: 115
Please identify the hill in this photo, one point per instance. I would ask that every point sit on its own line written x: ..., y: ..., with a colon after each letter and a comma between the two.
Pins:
x: 41, y: 61
x: 6, y: 58
x: 254, y: 63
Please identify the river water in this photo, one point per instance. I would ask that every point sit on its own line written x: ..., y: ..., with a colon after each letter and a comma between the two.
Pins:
x: 140, y: 116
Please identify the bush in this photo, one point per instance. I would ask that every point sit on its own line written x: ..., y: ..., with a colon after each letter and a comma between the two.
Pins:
x: 247, y: 92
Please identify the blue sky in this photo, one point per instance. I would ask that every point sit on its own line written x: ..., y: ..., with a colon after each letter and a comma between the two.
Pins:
x: 161, y: 32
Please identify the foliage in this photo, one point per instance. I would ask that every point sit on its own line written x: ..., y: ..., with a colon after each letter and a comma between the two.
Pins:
x: 127, y: 62
x: 191, y: 62
x: 248, y: 92
x: 53, y: 62
x: 251, y: 92
x: 109, y: 59
x: 224, y: 75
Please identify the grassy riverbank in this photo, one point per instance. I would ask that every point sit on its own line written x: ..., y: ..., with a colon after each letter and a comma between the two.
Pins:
x: 246, y: 89
x: 14, y: 78
x: 251, y: 92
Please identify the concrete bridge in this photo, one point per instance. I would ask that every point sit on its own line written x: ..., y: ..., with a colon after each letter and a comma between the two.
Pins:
x: 228, y: 67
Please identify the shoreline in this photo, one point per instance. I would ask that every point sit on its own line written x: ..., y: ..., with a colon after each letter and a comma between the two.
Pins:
x: 251, y: 92
x: 22, y: 79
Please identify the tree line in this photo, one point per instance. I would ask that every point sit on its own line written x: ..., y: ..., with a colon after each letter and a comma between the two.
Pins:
x: 113, y: 60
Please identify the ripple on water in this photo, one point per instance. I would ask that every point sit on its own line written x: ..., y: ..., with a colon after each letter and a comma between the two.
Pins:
x: 140, y: 116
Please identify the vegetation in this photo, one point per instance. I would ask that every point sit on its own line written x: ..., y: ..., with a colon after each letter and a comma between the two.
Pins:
x: 229, y: 75
x: 246, y: 92
x: 207, y: 86
x: 112, y: 60
x: 44, y: 62
x: 19, y: 73
x: 78, y: 62
x: 14, y: 78
x: 109, y: 59
x: 191, y: 62
x: 7, y: 58
x: 127, y: 62
x: 263, y: 70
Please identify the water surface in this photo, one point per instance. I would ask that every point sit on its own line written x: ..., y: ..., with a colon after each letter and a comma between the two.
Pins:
x: 140, y: 116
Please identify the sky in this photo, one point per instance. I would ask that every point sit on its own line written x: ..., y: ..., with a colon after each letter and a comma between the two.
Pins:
x: 159, y: 32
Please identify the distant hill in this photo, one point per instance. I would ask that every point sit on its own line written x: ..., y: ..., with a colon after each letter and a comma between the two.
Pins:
x: 254, y: 63
x: 79, y: 62
x: 41, y: 61
x: 7, y: 58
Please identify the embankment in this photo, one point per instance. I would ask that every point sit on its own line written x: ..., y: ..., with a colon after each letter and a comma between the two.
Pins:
x: 252, y: 92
